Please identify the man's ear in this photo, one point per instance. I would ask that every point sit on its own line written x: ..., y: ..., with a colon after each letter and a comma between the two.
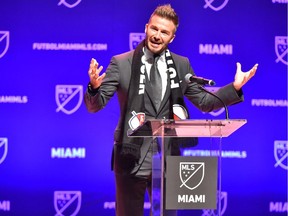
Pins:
x: 171, y: 40
x: 146, y: 26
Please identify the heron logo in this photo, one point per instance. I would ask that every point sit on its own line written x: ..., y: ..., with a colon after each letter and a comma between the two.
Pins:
x: 68, y: 98
x: 215, y: 5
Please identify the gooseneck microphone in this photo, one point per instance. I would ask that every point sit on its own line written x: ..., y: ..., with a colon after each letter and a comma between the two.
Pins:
x: 190, y: 78
x: 200, y: 80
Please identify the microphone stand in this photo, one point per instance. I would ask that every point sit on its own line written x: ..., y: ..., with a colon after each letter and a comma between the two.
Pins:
x: 224, y: 105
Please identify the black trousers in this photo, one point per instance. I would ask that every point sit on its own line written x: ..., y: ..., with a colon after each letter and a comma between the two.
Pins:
x: 131, y: 189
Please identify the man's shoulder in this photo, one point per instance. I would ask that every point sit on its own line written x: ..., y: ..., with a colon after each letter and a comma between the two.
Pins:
x: 125, y: 55
x: 177, y: 56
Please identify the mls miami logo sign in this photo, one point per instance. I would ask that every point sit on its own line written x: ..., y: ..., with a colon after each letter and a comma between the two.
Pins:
x: 191, y: 174
x: 67, y: 203
x: 68, y: 98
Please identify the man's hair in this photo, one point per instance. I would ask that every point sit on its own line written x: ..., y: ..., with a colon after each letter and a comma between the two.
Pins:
x: 166, y: 11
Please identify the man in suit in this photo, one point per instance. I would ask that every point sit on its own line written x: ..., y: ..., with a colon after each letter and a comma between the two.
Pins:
x: 131, y: 75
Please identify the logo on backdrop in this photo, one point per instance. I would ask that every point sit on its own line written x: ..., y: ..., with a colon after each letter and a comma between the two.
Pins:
x: 68, y: 153
x: 4, y: 42
x: 69, y: 5
x: 216, y: 49
x: 68, y: 98
x: 219, y: 111
x: 269, y: 102
x: 135, y: 39
x: 278, y: 207
x: 281, y: 48
x: 281, y: 153
x: 67, y: 203
x: 59, y: 46
x: 5, y: 205
x: 191, y: 170
x: 280, y: 1
x: 14, y: 99
x: 223, y: 200
x: 3, y: 148
x: 215, y: 5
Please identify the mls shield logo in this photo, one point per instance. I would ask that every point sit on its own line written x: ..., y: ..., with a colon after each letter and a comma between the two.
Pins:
x: 219, y: 111
x: 135, y: 39
x: 67, y: 203
x: 223, y: 205
x: 281, y: 153
x: 281, y: 49
x: 3, y: 149
x: 191, y: 174
x: 69, y: 4
x: 215, y: 5
x: 4, y: 42
x: 68, y: 98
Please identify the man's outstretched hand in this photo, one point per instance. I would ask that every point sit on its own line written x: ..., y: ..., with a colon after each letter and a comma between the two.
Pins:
x: 241, y: 78
x: 94, y: 74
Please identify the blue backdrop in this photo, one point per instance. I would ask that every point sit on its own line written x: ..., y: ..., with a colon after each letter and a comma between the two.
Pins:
x: 55, y: 156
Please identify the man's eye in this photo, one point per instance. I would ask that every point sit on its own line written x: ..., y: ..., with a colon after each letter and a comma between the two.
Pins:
x: 165, y: 33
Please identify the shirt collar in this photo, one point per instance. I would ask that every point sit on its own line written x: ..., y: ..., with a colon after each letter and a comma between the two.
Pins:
x: 149, y: 55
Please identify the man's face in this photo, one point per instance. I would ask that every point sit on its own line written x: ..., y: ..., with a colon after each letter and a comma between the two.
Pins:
x: 159, y: 33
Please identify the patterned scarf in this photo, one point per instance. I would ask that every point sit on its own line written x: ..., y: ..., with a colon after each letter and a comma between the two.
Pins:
x: 135, y: 109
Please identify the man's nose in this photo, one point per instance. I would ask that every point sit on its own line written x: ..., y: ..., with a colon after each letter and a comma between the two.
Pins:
x: 157, y: 35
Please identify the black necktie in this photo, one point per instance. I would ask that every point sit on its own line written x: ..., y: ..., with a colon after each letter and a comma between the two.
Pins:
x: 156, y: 82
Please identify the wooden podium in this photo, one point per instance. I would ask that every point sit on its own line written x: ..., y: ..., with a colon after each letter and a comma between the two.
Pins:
x: 164, y: 128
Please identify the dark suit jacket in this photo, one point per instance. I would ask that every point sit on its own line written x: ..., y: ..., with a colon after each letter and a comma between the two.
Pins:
x: 117, y: 80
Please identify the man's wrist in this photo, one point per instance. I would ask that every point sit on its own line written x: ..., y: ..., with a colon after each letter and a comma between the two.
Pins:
x: 92, y: 91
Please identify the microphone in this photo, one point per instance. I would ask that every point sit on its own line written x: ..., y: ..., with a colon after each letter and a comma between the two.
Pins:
x: 200, y: 80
